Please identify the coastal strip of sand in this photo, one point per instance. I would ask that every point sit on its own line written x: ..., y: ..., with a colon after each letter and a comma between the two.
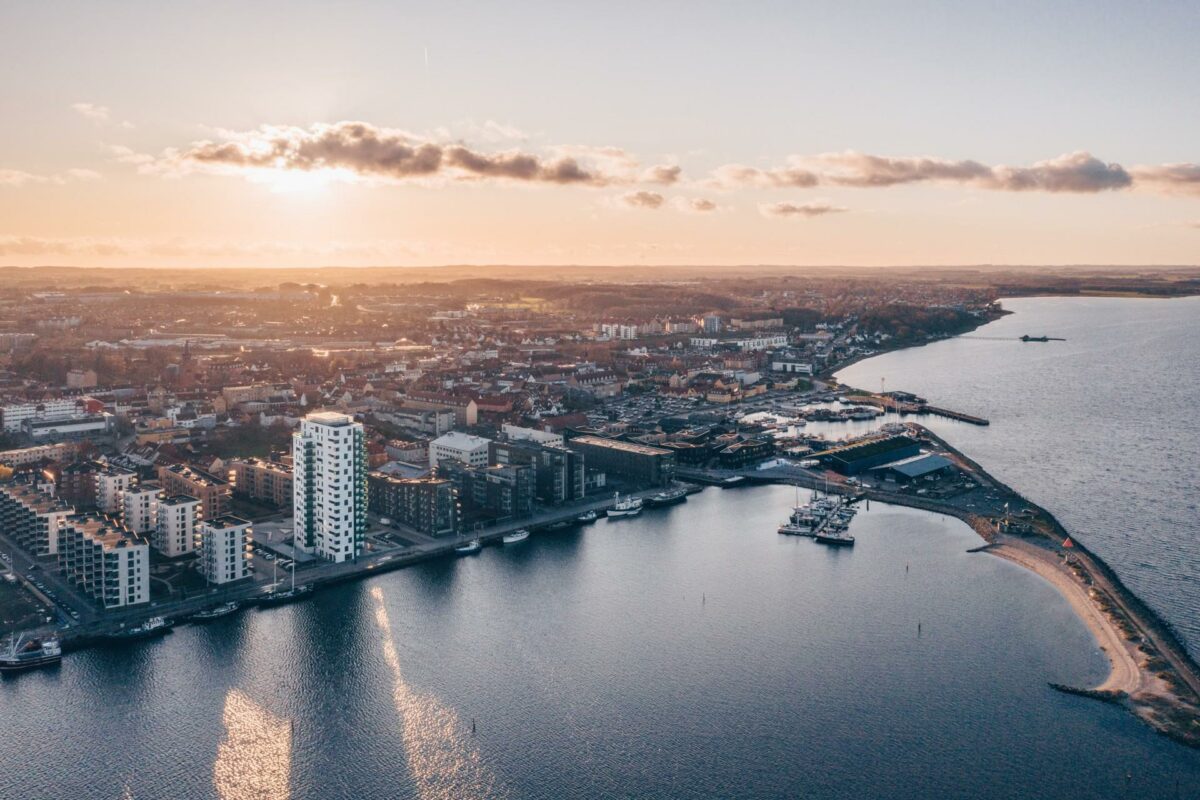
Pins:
x: 1125, y: 674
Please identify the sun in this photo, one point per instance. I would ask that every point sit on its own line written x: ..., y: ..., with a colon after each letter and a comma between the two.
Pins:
x: 293, y: 181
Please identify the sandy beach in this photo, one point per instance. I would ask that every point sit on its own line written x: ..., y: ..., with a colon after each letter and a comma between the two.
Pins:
x: 1125, y: 675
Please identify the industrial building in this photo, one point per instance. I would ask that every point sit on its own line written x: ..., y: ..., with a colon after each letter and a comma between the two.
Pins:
x: 856, y: 458
x: 636, y: 463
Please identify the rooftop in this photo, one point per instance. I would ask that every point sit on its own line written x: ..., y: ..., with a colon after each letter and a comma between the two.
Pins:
x: 620, y: 444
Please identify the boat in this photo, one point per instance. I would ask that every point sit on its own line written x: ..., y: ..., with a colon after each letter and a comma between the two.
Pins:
x: 155, y: 626
x: 274, y: 597
x: 470, y: 548
x: 629, y: 507
x: 286, y: 596
x: 25, y: 654
x: 834, y: 537
x: 516, y: 536
x: 1027, y: 338
x: 668, y: 498
x: 791, y: 528
x: 587, y: 516
x: 216, y: 612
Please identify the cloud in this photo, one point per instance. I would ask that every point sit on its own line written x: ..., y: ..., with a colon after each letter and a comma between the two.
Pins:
x: 813, y: 208
x: 1175, y: 178
x: 17, y: 177
x: 101, y: 115
x: 365, y: 151
x: 732, y: 176
x: 666, y: 174
x: 643, y: 199
x: 1078, y: 172
x: 694, y: 205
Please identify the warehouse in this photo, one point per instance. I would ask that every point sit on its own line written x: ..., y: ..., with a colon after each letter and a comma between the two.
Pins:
x: 861, y: 456
x: 635, y: 463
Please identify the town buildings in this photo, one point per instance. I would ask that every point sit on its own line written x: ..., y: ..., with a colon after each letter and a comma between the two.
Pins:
x: 462, y: 447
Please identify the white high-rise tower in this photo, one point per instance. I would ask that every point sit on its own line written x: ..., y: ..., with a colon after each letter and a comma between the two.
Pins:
x: 330, y: 486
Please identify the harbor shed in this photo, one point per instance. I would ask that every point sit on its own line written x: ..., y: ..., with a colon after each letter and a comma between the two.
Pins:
x: 859, y: 457
x: 907, y: 470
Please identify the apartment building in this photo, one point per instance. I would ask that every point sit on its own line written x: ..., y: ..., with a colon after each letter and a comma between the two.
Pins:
x: 329, y: 460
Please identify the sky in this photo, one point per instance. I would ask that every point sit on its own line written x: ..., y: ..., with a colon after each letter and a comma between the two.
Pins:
x: 306, y: 134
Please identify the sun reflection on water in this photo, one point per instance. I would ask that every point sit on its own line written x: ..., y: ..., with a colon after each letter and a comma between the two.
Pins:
x: 443, y: 762
x: 254, y: 761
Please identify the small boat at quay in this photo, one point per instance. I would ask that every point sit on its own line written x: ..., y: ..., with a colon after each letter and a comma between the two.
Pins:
x: 629, y: 507
x: 155, y: 626
x: 587, y: 517
x: 470, y: 548
x: 23, y: 654
x: 668, y: 498
x: 516, y: 536
x: 216, y: 612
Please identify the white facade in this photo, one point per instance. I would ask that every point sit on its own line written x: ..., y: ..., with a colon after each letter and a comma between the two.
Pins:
x: 515, y: 433
x: 224, y: 547
x: 139, y: 508
x: 470, y: 450
x: 330, y: 486
x: 105, y: 560
x: 111, y: 485
x: 175, y: 526
x: 54, y: 410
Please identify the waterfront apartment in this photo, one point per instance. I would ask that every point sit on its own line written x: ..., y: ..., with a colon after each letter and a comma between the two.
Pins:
x: 262, y: 480
x: 491, y: 493
x: 31, y: 517
x: 329, y: 501
x: 175, y: 525
x: 223, y: 545
x: 428, y: 505
x: 139, y: 507
x: 105, y: 560
x: 111, y: 484
x: 212, y: 491
x: 559, y: 472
